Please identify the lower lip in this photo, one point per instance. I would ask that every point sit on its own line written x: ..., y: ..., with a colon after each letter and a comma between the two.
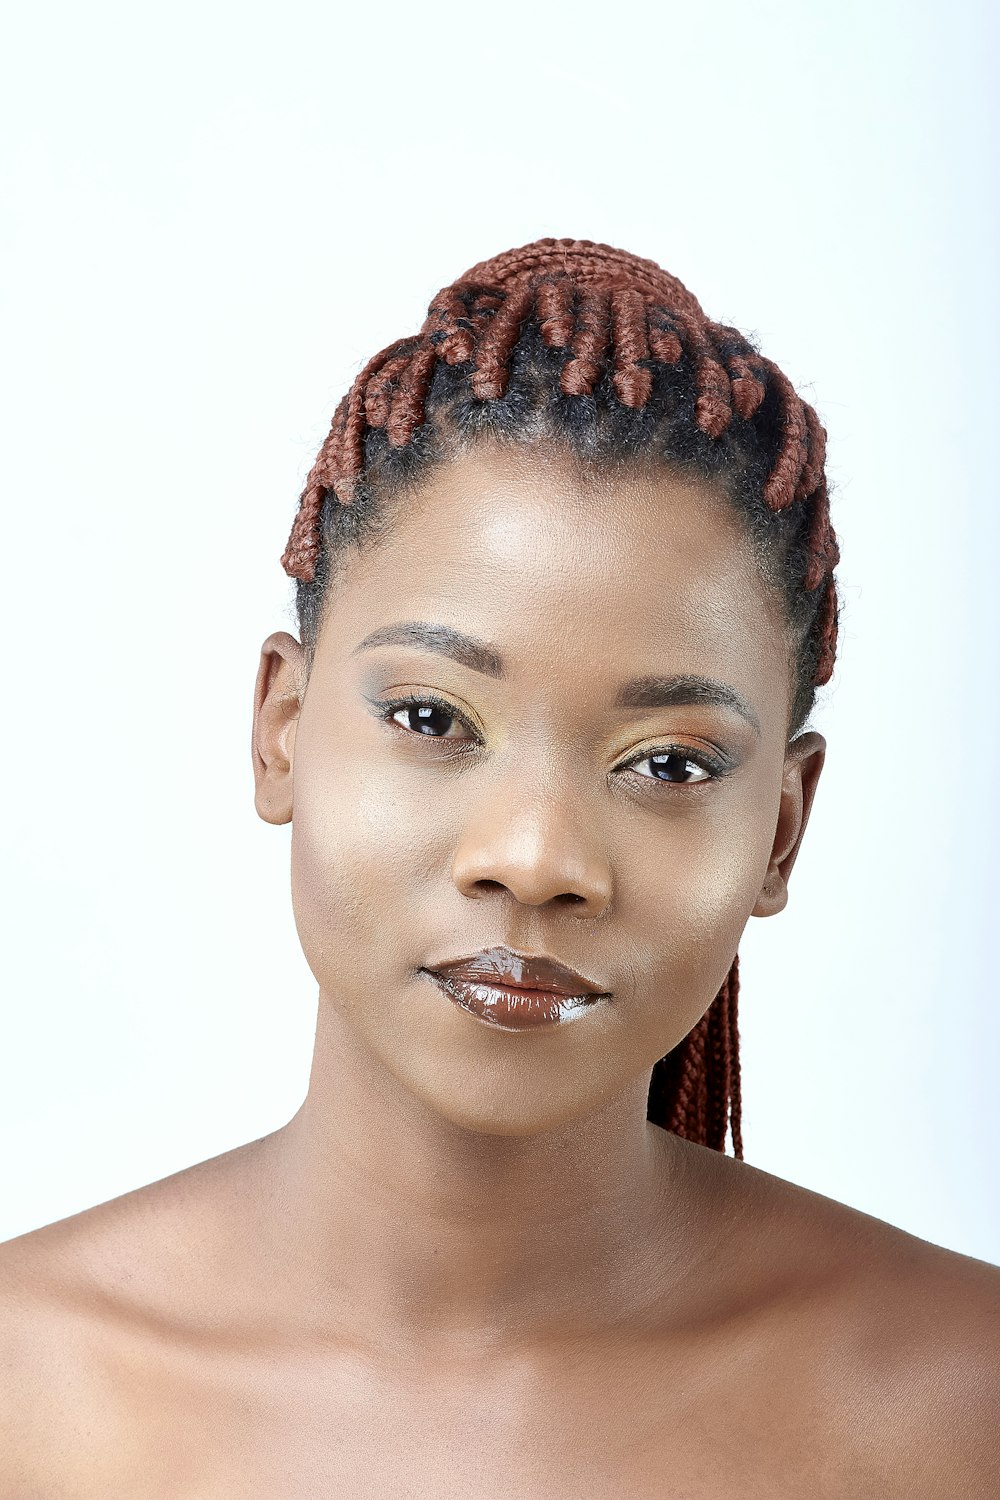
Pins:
x: 512, y: 1010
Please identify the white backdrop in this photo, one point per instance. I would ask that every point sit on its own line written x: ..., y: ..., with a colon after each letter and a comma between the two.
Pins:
x: 213, y: 214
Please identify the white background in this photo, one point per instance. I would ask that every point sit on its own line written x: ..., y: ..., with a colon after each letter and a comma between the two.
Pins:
x: 213, y: 214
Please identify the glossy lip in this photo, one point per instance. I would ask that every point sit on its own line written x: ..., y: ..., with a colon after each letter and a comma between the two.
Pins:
x: 515, y: 991
x: 504, y: 968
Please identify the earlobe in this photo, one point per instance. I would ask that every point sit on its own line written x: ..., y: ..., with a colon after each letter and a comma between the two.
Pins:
x: 773, y: 895
x: 277, y: 703
x: 803, y: 763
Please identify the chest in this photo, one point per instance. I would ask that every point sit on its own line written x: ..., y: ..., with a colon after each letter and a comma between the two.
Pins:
x: 695, y: 1424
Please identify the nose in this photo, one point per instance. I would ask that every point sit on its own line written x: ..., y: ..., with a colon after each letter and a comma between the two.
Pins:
x: 538, y: 846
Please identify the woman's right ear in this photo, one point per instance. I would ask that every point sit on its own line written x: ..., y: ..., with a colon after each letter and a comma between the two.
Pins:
x: 277, y: 702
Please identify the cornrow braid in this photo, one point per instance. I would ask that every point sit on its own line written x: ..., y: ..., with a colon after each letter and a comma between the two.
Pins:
x: 592, y: 346
x: 554, y: 301
x: 632, y: 378
x: 491, y: 361
x: 588, y: 344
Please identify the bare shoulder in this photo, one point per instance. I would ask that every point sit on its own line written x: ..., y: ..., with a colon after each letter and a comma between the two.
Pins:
x: 935, y: 1365
x: 908, y: 1333
x: 57, y: 1339
x: 91, y: 1307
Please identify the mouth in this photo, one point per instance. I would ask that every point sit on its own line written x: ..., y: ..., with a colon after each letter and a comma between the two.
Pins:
x: 516, y: 991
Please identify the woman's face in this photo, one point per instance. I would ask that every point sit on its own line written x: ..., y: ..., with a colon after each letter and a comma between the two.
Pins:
x: 531, y: 815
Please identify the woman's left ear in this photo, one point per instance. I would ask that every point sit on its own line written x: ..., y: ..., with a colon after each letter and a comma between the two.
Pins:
x: 803, y: 763
x: 277, y: 702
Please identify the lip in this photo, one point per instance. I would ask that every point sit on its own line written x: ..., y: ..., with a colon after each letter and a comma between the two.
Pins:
x: 516, y: 991
x: 505, y: 968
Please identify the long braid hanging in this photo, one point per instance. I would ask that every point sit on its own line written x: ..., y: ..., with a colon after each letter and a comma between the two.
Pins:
x: 597, y: 303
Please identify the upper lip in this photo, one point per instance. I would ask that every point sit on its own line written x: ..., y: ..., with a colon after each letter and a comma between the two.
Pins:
x: 519, y: 971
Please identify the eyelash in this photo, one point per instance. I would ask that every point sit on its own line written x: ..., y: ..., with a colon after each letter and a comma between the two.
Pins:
x: 385, y: 708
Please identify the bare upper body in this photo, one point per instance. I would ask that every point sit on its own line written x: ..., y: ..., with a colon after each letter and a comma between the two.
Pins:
x: 812, y: 1351
x: 472, y: 1266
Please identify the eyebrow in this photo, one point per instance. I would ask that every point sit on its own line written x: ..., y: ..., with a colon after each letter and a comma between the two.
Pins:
x: 676, y: 690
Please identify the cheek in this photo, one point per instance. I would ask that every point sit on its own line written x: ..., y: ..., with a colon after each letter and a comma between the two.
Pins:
x: 690, y: 889
x: 359, y: 853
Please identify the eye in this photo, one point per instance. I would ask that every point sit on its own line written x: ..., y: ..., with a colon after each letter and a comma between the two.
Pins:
x: 433, y: 716
x: 674, y: 764
x: 429, y: 715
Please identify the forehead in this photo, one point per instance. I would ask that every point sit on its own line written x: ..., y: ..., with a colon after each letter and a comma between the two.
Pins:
x: 545, y: 555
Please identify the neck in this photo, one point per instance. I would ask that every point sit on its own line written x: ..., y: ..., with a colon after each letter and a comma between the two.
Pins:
x: 386, y: 1225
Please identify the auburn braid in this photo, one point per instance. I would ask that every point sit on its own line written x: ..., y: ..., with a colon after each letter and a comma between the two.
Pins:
x: 629, y: 341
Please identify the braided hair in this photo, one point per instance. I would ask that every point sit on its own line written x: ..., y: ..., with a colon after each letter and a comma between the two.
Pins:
x: 607, y: 355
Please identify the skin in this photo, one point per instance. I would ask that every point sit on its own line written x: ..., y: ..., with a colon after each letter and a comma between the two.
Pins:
x: 469, y: 1265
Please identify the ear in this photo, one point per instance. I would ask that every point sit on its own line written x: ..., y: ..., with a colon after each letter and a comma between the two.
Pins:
x: 277, y: 702
x: 803, y: 762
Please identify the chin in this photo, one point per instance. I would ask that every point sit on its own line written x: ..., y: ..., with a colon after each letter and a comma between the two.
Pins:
x: 495, y: 1096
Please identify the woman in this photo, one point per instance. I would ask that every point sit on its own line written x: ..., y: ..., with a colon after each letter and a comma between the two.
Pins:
x: 565, y: 592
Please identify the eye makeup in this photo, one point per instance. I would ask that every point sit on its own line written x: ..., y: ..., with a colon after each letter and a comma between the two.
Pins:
x: 430, y: 704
